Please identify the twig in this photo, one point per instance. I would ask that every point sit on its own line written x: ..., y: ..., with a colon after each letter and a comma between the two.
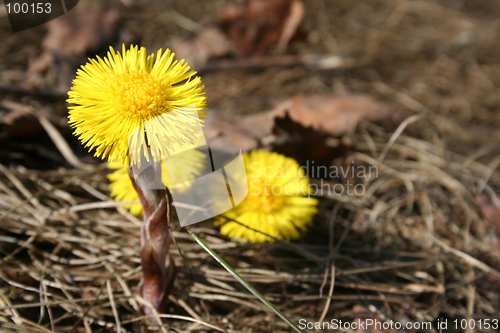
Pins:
x: 88, y: 309
x: 60, y: 143
x: 170, y: 316
x: 113, y: 307
x: 313, y: 62
x: 398, y: 132
x: 467, y: 258
x: 49, y: 95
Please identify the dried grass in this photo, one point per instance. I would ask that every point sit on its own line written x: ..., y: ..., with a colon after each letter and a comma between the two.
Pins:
x: 413, y: 247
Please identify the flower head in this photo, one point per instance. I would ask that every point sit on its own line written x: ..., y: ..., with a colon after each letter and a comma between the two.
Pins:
x: 278, y: 201
x: 130, y: 104
x: 183, y: 167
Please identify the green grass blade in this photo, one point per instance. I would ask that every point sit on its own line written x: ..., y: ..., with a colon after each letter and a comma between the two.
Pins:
x: 244, y: 283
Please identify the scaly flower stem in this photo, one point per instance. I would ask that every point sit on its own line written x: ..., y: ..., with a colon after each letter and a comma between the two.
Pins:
x: 158, y: 277
x: 243, y: 282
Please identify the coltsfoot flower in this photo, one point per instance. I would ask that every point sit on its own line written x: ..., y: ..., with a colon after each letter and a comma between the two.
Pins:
x: 278, y: 201
x: 183, y: 167
x: 121, y: 187
x: 130, y: 104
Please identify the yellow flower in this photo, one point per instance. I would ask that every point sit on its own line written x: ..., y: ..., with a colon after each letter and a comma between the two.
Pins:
x: 183, y: 167
x: 278, y: 201
x: 121, y: 187
x: 129, y: 102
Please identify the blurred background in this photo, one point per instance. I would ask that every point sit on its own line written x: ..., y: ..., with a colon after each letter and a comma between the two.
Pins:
x: 322, y: 80
x: 442, y: 54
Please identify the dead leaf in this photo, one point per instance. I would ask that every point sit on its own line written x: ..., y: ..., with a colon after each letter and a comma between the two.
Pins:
x: 76, y: 33
x: 330, y: 114
x: 327, y: 114
x: 254, y: 26
x: 210, y: 43
x: 16, y: 121
x: 70, y: 37
x: 228, y: 128
x: 301, y: 126
x: 10, y: 117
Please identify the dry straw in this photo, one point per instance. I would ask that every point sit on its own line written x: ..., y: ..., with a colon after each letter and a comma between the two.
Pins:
x: 69, y: 253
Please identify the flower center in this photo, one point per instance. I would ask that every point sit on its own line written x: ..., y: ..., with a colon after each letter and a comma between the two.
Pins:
x: 265, y: 198
x: 137, y: 94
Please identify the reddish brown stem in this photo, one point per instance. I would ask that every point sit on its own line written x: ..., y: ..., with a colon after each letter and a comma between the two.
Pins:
x: 158, y: 276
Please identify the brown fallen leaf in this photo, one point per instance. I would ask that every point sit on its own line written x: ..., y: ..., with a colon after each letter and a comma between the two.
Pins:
x: 210, y: 43
x: 333, y: 115
x: 70, y: 37
x: 16, y: 120
x: 76, y: 33
x: 303, y: 127
x: 362, y: 315
x: 254, y: 26
x: 291, y: 25
x: 228, y: 128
